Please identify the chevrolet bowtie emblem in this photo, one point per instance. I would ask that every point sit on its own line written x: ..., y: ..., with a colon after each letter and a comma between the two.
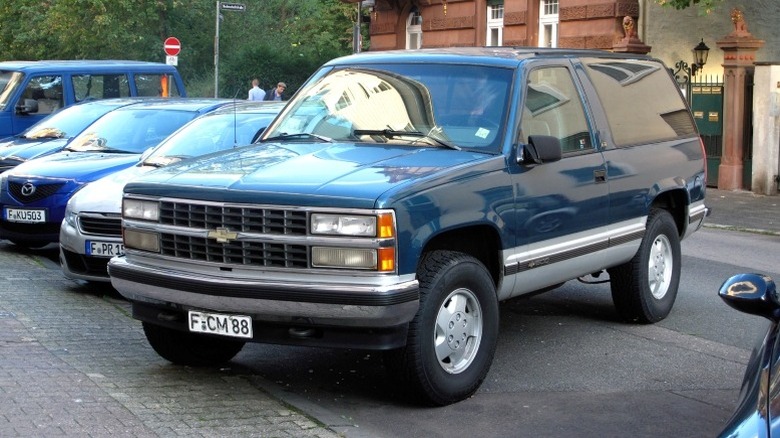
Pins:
x: 222, y: 235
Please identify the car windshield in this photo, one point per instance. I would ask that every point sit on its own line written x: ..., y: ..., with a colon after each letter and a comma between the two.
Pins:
x: 130, y: 130
x: 67, y: 122
x: 9, y: 81
x: 210, y: 133
x: 436, y: 105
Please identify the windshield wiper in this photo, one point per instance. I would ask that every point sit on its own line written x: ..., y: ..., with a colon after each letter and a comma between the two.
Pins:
x: 299, y: 135
x: 390, y: 133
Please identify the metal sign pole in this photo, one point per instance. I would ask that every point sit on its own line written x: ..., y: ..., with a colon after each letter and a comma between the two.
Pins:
x: 216, y: 56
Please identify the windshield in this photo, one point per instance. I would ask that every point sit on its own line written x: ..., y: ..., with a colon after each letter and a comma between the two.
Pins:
x: 67, y: 122
x: 210, y: 133
x: 457, y: 105
x: 130, y: 130
x: 9, y: 81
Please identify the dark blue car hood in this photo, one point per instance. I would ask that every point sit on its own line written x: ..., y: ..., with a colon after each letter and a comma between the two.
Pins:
x: 345, y: 174
x: 77, y: 166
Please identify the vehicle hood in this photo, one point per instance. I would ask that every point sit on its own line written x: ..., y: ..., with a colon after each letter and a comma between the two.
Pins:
x: 24, y: 150
x: 78, y: 166
x: 105, y: 194
x: 344, y: 174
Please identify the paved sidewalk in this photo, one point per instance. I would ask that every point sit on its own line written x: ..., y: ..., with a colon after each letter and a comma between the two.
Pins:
x: 743, y: 211
x: 74, y: 363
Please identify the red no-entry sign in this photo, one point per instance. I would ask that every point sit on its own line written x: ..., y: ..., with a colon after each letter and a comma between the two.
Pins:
x: 172, y: 46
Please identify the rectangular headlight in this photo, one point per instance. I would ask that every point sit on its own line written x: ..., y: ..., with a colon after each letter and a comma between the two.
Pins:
x: 343, y: 225
x: 351, y: 258
x: 136, y: 209
x: 142, y: 240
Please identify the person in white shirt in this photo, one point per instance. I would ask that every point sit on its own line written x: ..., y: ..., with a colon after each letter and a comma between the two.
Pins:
x: 256, y: 93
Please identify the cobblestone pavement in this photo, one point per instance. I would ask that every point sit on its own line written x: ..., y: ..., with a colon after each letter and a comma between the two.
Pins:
x: 74, y: 363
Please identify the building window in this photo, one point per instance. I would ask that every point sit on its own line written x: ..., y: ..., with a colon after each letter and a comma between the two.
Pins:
x: 548, y: 23
x: 414, y: 30
x: 495, y: 23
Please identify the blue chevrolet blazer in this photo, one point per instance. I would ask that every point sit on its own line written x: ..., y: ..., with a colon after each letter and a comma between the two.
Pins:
x: 400, y: 196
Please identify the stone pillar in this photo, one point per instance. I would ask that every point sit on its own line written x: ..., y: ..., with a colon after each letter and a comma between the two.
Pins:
x: 740, y: 53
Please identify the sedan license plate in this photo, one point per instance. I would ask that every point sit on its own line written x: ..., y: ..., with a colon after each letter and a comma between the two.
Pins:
x: 238, y: 326
x: 25, y: 215
x: 99, y: 248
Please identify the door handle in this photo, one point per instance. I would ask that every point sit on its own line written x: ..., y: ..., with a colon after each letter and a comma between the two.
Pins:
x: 600, y: 176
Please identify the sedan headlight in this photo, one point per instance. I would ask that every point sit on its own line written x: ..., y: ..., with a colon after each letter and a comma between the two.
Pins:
x: 137, y: 209
x: 70, y: 215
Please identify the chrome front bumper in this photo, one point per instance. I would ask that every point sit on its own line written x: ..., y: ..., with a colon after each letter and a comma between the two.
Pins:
x: 329, y: 303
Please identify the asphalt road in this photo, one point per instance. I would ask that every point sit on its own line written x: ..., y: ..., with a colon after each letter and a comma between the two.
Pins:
x: 565, y: 364
x: 73, y: 363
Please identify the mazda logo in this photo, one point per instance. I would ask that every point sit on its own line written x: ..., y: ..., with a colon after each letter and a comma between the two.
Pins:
x: 28, y: 189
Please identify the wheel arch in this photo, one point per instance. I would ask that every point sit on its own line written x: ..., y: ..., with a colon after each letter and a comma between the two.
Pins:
x: 675, y: 201
x: 480, y: 241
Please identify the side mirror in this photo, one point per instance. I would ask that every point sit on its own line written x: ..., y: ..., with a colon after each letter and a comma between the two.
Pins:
x: 29, y: 106
x: 540, y: 149
x: 754, y: 294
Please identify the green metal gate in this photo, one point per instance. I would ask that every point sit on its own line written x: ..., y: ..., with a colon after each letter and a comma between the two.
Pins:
x: 706, y: 99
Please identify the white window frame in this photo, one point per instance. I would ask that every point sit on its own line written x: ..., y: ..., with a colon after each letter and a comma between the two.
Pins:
x: 414, y: 29
x: 548, y: 23
x: 495, y: 22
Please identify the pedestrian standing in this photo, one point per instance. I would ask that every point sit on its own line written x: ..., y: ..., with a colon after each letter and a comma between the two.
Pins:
x: 256, y: 93
x: 277, y: 93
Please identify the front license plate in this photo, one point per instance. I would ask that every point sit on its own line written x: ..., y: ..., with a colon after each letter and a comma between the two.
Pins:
x: 238, y: 326
x: 104, y: 249
x: 24, y: 215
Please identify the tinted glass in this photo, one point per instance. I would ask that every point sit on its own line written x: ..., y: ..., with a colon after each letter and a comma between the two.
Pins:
x: 210, y: 133
x: 9, y: 81
x: 67, y: 122
x: 552, y: 106
x: 42, y: 95
x: 459, y: 104
x: 152, y: 84
x: 130, y: 130
x: 641, y: 101
x: 100, y: 86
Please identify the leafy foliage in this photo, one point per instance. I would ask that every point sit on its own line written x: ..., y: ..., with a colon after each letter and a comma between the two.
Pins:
x: 705, y: 6
x: 275, y: 40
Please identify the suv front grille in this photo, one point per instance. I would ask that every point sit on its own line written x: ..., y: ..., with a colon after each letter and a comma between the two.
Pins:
x: 241, y: 253
x: 245, y: 219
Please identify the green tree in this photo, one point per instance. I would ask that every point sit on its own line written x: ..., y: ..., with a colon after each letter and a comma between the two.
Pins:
x: 274, y: 39
x: 705, y: 6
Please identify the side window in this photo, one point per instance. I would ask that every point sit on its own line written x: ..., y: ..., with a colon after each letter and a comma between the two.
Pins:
x: 553, y: 107
x: 640, y: 100
x: 43, y: 95
x: 156, y: 84
x: 107, y: 86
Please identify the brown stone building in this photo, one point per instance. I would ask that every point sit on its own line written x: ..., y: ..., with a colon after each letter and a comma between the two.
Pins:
x: 408, y: 24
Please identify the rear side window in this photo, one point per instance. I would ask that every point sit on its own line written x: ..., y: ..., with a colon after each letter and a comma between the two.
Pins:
x: 156, y: 84
x: 100, y: 86
x: 640, y: 100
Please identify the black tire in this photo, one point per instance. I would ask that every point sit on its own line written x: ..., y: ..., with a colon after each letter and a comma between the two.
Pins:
x: 454, y: 287
x: 184, y: 348
x: 644, y: 289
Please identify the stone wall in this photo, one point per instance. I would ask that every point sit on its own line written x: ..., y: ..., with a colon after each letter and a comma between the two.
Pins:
x: 672, y: 34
